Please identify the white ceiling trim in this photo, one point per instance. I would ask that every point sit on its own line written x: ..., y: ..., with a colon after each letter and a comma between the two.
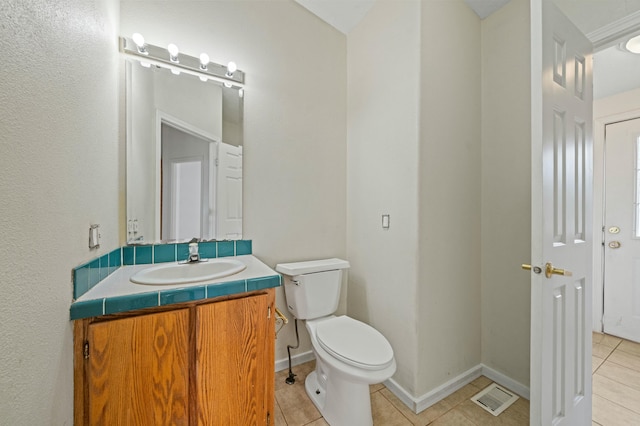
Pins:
x: 612, y: 33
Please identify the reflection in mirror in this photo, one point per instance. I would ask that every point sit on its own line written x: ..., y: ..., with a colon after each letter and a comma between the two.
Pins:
x: 184, y: 156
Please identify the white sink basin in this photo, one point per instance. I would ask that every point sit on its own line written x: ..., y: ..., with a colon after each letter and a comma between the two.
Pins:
x: 180, y: 273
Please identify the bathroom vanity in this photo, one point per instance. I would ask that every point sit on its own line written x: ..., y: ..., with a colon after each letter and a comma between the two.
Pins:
x: 204, y: 362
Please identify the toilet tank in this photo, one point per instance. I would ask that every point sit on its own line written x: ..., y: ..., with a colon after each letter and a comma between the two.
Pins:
x: 312, y: 288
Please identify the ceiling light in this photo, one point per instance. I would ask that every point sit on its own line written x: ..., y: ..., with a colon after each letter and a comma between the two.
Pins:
x: 633, y: 45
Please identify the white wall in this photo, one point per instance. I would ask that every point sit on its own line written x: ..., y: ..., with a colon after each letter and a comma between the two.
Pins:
x: 295, y: 119
x: 449, y: 194
x: 382, y: 156
x: 506, y: 191
x: 59, y: 173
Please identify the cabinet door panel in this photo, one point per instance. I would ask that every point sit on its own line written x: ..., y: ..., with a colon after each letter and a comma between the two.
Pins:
x: 234, y: 362
x: 138, y: 370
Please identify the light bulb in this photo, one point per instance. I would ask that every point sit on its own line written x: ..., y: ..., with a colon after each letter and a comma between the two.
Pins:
x: 204, y: 61
x: 139, y: 41
x: 203, y: 79
x: 175, y: 71
x: 231, y: 68
x: 633, y: 45
x: 173, y: 52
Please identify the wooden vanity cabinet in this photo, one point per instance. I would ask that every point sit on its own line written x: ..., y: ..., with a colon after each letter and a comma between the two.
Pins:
x: 202, y: 363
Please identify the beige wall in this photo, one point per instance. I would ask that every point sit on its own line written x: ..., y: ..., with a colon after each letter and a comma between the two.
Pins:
x: 295, y: 119
x: 59, y: 168
x: 382, y: 157
x: 506, y: 191
x: 449, y: 194
x: 414, y: 153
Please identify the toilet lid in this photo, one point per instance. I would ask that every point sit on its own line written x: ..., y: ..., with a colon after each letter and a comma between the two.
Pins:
x: 355, y: 343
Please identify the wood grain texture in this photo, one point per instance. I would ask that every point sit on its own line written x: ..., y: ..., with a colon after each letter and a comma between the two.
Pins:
x: 138, y: 372
x: 234, y: 361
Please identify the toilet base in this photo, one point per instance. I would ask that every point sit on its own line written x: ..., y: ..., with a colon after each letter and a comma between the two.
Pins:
x: 342, y: 403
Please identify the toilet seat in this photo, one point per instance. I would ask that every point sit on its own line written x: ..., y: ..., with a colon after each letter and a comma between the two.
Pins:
x: 354, y: 343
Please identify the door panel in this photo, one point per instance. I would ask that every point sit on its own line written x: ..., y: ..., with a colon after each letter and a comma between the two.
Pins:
x: 138, y: 370
x: 622, y: 230
x: 562, y: 176
x: 229, y: 192
x: 234, y: 362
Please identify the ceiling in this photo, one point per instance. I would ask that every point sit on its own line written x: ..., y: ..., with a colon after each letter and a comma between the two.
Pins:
x: 615, y: 70
x: 344, y: 15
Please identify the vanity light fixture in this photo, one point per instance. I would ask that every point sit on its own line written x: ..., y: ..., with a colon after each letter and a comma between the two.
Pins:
x: 138, y: 39
x: 171, y: 58
x: 204, y: 61
x: 633, y: 45
x: 173, y: 53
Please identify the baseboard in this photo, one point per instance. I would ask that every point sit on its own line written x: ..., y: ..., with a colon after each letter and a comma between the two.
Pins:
x: 506, y: 381
x: 428, y: 399
x: 438, y: 394
x: 283, y: 364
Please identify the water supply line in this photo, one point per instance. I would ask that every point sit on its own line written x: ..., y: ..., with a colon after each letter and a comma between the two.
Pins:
x: 291, y: 379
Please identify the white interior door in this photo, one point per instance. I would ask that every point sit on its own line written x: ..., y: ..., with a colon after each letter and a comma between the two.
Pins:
x: 622, y: 230
x: 562, y: 179
x: 186, y: 196
x: 229, y: 192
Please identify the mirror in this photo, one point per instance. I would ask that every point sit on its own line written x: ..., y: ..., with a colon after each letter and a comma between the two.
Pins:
x: 184, y: 156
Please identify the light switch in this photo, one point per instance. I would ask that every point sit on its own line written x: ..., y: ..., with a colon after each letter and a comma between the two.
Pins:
x: 385, y: 221
x: 94, y: 236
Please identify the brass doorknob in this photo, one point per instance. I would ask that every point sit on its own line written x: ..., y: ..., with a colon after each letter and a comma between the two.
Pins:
x: 549, y: 270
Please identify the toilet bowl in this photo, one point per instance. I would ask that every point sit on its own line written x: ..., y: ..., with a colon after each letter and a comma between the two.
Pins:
x: 350, y: 355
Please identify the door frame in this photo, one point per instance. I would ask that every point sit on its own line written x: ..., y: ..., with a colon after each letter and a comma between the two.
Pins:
x: 163, y: 117
x: 609, y: 110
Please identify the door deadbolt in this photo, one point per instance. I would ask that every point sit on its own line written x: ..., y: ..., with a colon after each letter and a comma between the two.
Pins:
x: 614, y: 230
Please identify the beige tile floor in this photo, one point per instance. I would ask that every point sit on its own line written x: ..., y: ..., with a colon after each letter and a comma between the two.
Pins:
x: 616, y: 396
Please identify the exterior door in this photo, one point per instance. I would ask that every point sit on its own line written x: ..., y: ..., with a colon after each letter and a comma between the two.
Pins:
x: 622, y: 230
x: 562, y: 175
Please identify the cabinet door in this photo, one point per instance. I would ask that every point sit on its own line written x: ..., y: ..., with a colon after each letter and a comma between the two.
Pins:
x: 234, y: 362
x: 138, y: 372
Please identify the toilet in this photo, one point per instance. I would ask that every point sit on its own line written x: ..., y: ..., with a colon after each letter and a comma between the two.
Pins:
x: 350, y: 355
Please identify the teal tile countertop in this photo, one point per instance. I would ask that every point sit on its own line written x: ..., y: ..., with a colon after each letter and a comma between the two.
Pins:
x: 116, y: 293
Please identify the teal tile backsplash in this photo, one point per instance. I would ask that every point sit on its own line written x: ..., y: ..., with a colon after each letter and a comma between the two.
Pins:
x: 86, y: 276
x: 164, y: 253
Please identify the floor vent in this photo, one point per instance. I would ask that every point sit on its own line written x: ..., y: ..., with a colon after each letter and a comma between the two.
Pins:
x: 495, y: 399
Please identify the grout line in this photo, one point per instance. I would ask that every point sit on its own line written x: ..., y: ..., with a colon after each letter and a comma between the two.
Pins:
x: 634, y: 411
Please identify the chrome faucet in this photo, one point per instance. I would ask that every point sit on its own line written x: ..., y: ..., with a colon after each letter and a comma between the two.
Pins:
x: 194, y: 256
